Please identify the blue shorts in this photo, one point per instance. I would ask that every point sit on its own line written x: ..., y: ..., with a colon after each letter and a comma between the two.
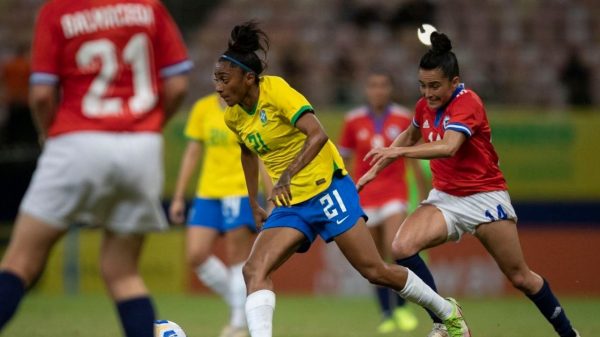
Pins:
x: 328, y: 214
x: 223, y: 214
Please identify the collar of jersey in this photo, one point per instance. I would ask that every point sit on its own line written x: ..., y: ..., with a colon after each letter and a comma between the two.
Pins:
x: 251, y: 112
x: 440, y: 111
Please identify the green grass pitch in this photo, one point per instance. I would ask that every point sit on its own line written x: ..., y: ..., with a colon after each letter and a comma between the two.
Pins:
x: 295, y: 316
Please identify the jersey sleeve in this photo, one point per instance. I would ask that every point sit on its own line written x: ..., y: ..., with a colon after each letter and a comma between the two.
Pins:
x: 291, y: 102
x: 347, y: 141
x: 418, y: 117
x: 465, y: 117
x: 45, y: 57
x: 194, y: 128
x: 171, y: 54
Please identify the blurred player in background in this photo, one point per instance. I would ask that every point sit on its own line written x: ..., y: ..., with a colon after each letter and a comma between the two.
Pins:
x: 221, y: 207
x: 470, y: 193
x: 385, y: 201
x: 313, y: 194
x: 106, y: 76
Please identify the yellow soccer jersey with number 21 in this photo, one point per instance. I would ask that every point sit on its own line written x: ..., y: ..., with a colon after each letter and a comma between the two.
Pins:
x: 269, y: 131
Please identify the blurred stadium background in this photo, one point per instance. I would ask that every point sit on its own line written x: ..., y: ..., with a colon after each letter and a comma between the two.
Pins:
x: 536, y: 64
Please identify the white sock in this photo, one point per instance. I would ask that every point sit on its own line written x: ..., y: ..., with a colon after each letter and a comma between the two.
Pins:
x: 213, y: 273
x: 416, y: 291
x: 259, y: 311
x: 237, y: 296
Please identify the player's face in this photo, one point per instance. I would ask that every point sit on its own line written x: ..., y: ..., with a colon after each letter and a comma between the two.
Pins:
x: 436, y: 87
x: 232, y: 83
x: 379, y: 90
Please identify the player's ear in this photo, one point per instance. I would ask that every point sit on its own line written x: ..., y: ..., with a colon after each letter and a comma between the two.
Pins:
x: 455, y: 82
x: 250, y: 78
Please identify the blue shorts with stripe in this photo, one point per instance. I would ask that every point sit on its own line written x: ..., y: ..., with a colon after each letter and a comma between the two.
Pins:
x: 328, y: 214
x: 222, y: 214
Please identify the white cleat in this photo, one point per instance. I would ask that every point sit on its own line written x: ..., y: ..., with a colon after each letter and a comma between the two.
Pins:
x: 438, y: 330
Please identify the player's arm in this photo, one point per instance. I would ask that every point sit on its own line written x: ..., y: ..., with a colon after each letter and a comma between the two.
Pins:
x: 43, y: 102
x: 316, y: 138
x: 408, y: 137
x: 173, y: 92
x: 190, y: 157
x: 267, y: 185
x: 250, y: 165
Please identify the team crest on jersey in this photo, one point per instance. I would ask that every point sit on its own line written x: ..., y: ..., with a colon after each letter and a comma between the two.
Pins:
x: 446, y: 120
x: 392, y: 132
x: 263, y: 116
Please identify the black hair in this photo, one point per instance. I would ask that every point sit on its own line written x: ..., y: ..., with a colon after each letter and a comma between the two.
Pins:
x: 245, y: 40
x: 440, y: 56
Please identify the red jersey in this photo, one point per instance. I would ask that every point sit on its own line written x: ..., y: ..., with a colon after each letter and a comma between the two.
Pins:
x: 109, y: 58
x: 474, y: 167
x: 363, y: 131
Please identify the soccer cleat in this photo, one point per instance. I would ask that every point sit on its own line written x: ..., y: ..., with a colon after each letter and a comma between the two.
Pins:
x: 439, y: 330
x: 388, y: 325
x: 455, y: 324
x: 230, y: 331
x: 405, y: 319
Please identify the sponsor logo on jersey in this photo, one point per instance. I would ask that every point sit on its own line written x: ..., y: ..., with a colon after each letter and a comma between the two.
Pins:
x: 426, y: 124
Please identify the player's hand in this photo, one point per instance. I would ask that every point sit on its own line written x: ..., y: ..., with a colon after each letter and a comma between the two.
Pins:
x: 380, y: 154
x: 365, y: 179
x: 177, y: 211
x: 260, y: 216
x: 282, y: 195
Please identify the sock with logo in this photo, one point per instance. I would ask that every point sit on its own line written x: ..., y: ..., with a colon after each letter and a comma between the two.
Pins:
x: 418, y: 266
x: 549, y: 306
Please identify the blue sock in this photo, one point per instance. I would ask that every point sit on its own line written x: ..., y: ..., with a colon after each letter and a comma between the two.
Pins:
x: 137, y: 317
x: 384, y: 297
x: 418, y: 266
x: 12, y: 290
x: 549, y: 306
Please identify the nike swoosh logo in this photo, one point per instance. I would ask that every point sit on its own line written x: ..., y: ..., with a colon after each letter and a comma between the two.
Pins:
x: 342, y: 220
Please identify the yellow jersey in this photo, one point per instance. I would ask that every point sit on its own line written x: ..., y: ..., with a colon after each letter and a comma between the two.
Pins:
x: 221, y: 174
x: 269, y: 131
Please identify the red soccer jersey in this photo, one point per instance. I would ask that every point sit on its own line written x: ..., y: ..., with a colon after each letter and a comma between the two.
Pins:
x: 474, y: 167
x: 109, y: 58
x: 363, y: 131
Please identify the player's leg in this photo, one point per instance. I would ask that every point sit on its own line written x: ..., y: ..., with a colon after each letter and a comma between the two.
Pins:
x: 23, y: 261
x: 205, y: 223
x: 383, y: 294
x: 424, y: 228
x: 238, y: 245
x: 119, y: 257
x: 272, y: 248
x: 501, y: 240
x: 358, y: 247
x: 403, y: 316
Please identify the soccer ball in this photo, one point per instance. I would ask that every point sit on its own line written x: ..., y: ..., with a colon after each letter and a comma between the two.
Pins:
x: 164, y: 328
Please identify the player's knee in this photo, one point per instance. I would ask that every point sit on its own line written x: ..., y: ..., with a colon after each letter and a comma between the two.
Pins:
x: 250, y: 270
x: 402, y: 249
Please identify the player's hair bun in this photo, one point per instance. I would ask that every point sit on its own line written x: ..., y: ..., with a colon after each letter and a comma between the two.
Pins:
x: 245, y: 38
x: 440, y: 43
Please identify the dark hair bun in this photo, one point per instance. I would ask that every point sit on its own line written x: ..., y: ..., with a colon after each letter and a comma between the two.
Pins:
x: 245, y: 38
x: 440, y: 43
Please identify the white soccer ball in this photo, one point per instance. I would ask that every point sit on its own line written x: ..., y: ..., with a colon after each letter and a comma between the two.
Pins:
x: 424, y: 33
x: 164, y: 328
